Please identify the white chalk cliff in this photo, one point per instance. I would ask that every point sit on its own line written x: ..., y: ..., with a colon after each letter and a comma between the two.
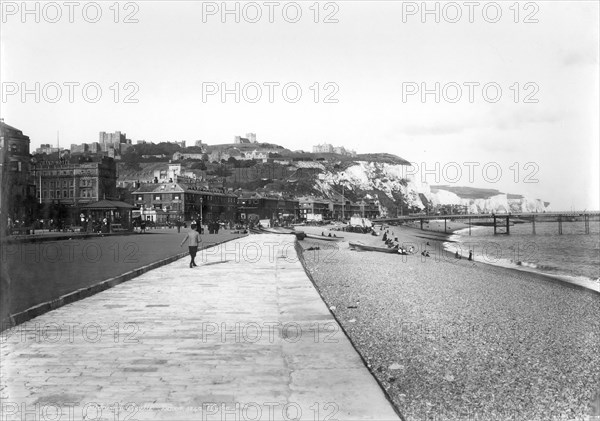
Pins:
x: 393, y: 180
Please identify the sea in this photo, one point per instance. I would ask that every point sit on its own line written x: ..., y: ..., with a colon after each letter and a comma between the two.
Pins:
x: 572, y: 256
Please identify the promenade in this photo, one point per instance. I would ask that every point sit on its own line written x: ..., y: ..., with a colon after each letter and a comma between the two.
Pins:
x: 243, y: 336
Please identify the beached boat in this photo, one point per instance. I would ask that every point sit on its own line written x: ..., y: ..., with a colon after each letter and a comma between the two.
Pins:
x: 364, y: 247
x: 300, y: 235
x: 277, y: 231
x: 324, y: 237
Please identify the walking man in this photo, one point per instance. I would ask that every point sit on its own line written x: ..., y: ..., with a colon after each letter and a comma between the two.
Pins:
x: 193, y: 238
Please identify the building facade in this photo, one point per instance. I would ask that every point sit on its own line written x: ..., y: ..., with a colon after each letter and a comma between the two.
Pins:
x: 18, y: 192
x: 48, y: 149
x: 75, y: 184
x: 111, y: 140
x: 323, y: 148
x: 328, y: 148
x: 366, y: 208
x: 250, y: 138
x: 311, y: 206
x: 179, y: 156
x: 79, y: 149
x: 185, y: 202
x: 259, y: 206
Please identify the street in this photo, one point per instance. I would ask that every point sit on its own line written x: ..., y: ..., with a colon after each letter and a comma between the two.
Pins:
x: 41, y: 272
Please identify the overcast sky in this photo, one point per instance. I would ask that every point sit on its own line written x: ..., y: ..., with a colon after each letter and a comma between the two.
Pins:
x: 367, y: 66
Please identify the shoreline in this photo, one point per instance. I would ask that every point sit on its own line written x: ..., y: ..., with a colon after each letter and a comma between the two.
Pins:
x: 447, y: 240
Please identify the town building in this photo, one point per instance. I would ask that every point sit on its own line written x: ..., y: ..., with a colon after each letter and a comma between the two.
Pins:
x: 254, y: 206
x: 161, y: 202
x: 75, y: 184
x: 365, y: 208
x: 79, y: 149
x: 179, y: 156
x: 340, y: 150
x: 18, y: 192
x: 173, y: 173
x: 219, y: 155
x: 323, y: 148
x: 313, y: 208
x: 328, y: 148
x: 48, y: 149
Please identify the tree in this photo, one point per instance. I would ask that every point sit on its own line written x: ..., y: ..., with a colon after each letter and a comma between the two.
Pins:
x: 131, y: 159
x: 199, y: 165
x: 193, y: 149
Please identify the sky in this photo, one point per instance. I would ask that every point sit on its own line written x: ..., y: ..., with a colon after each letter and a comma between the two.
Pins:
x: 501, y: 95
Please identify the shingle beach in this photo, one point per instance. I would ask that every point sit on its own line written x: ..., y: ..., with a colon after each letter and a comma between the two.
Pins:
x: 453, y: 339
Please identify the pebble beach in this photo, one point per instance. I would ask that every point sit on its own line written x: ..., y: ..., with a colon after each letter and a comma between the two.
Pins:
x: 451, y: 339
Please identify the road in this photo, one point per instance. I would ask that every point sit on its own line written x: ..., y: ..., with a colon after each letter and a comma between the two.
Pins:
x: 43, y: 271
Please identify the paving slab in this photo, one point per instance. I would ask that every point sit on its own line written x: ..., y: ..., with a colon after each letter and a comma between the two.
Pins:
x: 243, y: 336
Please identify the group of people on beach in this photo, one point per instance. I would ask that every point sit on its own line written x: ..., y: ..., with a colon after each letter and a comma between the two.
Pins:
x: 394, y: 243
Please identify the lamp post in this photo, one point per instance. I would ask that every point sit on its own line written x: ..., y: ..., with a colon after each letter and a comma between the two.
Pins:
x: 343, y: 199
x: 201, y: 223
x: 343, y: 203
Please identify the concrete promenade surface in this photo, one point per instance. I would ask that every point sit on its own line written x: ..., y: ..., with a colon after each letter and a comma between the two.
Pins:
x: 243, y: 336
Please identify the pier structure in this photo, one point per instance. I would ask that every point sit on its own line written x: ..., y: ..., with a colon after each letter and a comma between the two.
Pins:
x: 503, y: 221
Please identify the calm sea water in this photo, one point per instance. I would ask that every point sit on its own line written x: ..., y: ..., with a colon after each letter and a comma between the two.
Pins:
x: 572, y: 254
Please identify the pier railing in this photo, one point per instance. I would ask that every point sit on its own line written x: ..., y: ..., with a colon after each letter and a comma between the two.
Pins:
x: 502, y: 221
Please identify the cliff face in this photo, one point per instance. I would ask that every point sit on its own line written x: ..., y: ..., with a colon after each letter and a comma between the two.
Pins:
x: 389, y: 182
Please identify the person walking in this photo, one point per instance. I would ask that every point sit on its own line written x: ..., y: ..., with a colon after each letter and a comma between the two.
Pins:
x: 193, y: 238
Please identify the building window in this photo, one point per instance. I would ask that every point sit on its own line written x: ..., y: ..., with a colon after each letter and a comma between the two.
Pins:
x: 140, y: 198
x: 157, y: 197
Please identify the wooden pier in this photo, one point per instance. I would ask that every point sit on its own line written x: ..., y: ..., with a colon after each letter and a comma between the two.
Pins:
x: 502, y: 221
